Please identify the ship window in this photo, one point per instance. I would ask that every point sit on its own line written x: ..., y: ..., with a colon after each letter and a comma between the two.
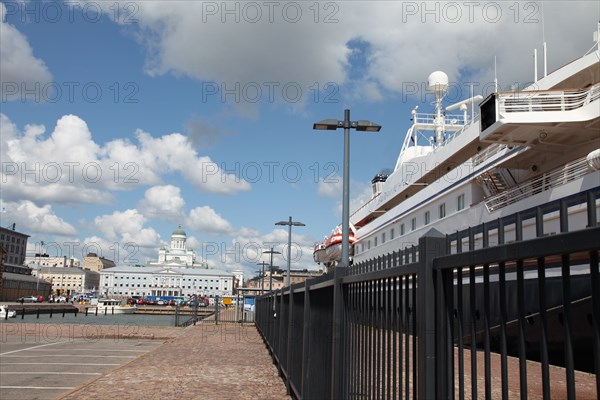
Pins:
x: 461, y: 202
x: 375, y: 241
x: 401, y: 229
x: 368, y: 244
x: 442, y: 210
x: 413, y: 224
x: 383, y: 238
x: 391, y: 233
x: 427, y: 217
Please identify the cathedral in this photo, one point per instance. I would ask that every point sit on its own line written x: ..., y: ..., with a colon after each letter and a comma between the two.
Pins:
x: 177, y: 254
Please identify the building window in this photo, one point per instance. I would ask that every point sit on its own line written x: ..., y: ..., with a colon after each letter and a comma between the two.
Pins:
x: 442, y: 210
x: 375, y: 244
x: 401, y: 229
x: 461, y: 202
x: 413, y: 224
x: 427, y: 217
x: 383, y: 238
x: 392, y: 234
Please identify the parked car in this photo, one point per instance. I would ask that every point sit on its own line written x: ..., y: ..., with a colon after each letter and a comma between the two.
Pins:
x: 28, y: 299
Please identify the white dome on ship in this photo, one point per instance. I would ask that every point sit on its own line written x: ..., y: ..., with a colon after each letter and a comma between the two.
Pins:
x: 437, y: 82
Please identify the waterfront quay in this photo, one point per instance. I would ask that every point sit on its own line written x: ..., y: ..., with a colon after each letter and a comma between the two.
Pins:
x: 207, y: 360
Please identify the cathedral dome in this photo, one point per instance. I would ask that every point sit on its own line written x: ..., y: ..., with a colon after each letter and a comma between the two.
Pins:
x: 179, y: 231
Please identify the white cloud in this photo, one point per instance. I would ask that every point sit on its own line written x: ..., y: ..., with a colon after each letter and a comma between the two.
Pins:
x: 127, y: 227
x: 163, y: 202
x: 33, y: 219
x: 68, y: 166
x: 407, y: 41
x: 289, y: 43
x: 205, y: 219
x: 331, y: 186
x: 20, y: 68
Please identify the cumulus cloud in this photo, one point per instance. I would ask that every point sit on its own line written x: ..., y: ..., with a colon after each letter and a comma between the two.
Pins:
x: 331, y: 186
x: 163, y: 202
x: 68, y: 166
x: 310, y: 45
x: 127, y: 227
x: 205, y: 219
x: 21, y: 70
x: 30, y: 218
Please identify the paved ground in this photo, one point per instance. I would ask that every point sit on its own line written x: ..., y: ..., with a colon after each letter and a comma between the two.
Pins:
x: 36, y: 367
x: 206, y: 361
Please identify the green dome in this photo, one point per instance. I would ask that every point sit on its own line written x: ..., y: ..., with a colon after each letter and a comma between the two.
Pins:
x: 179, y: 231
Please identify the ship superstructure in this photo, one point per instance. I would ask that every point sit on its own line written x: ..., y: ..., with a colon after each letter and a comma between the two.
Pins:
x: 525, y: 148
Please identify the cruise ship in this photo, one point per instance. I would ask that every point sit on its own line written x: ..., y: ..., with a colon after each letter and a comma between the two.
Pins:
x: 457, y: 169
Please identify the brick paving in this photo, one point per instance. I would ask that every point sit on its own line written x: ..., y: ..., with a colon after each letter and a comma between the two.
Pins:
x: 206, y: 361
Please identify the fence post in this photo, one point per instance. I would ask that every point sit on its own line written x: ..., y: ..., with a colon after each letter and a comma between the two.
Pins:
x: 216, y: 310
x: 288, y: 351
x: 339, y: 377
x: 306, y: 341
x: 431, y: 245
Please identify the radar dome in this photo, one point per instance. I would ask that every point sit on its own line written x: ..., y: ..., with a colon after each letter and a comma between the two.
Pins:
x: 437, y: 82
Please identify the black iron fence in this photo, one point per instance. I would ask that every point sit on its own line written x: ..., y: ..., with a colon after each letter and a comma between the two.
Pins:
x: 455, y: 316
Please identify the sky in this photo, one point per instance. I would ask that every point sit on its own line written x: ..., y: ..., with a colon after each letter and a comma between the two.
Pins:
x: 120, y: 120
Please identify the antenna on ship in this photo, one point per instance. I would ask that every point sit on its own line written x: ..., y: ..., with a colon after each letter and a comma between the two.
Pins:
x: 545, y: 49
x: 495, y: 76
x: 438, y: 84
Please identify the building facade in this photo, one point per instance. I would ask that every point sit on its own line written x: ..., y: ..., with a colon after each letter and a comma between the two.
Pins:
x: 165, y: 281
x: 15, y: 246
x: 177, y: 272
x: 69, y: 280
x: 278, y: 278
x: 95, y: 263
x: 46, y: 260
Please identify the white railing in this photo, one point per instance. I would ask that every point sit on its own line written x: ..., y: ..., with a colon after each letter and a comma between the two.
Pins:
x: 487, y: 153
x: 552, y: 179
x: 430, y: 119
x: 547, y: 100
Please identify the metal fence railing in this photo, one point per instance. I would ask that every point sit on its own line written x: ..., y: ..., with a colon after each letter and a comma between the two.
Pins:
x: 424, y: 323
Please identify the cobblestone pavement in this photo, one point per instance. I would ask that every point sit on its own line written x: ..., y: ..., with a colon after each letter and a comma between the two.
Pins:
x: 206, y: 361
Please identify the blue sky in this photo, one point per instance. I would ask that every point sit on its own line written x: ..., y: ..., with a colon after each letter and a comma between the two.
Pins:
x: 121, y: 120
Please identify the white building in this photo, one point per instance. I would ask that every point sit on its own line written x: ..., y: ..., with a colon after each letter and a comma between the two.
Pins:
x: 176, y: 273
x: 177, y: 254
x: 165, y: 281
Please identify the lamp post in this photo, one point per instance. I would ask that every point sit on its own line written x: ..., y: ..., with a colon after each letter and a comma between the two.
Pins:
x: 361, y: 125
x: 262, y: 280
x: 39, y: 269
x: 271, y: 252
x: 289, y: 223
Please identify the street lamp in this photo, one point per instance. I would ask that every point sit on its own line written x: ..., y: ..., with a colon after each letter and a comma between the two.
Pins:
x: 271, y: 252
x: 363, y: 126
x: 289, y: 255
x: 262, y: 281
x: 39, y: 269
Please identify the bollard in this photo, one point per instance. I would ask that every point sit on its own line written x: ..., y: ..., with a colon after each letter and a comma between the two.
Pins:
x: 51, y: 313
x: 86, y: 311
x: 76, y: 311
x: 96, y: 311
x: 23, y: 314
x: 63, y: 312
x: 38, y: 313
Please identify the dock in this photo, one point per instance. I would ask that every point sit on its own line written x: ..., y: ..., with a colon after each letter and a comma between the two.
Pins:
x: 226, y: 361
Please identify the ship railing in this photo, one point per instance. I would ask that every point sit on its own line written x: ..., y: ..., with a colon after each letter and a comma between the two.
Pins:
x: 555, y: 178
x: 431, y: 119
x: 547, y: 100
x: 364, y: 205
x: 487, y: 153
